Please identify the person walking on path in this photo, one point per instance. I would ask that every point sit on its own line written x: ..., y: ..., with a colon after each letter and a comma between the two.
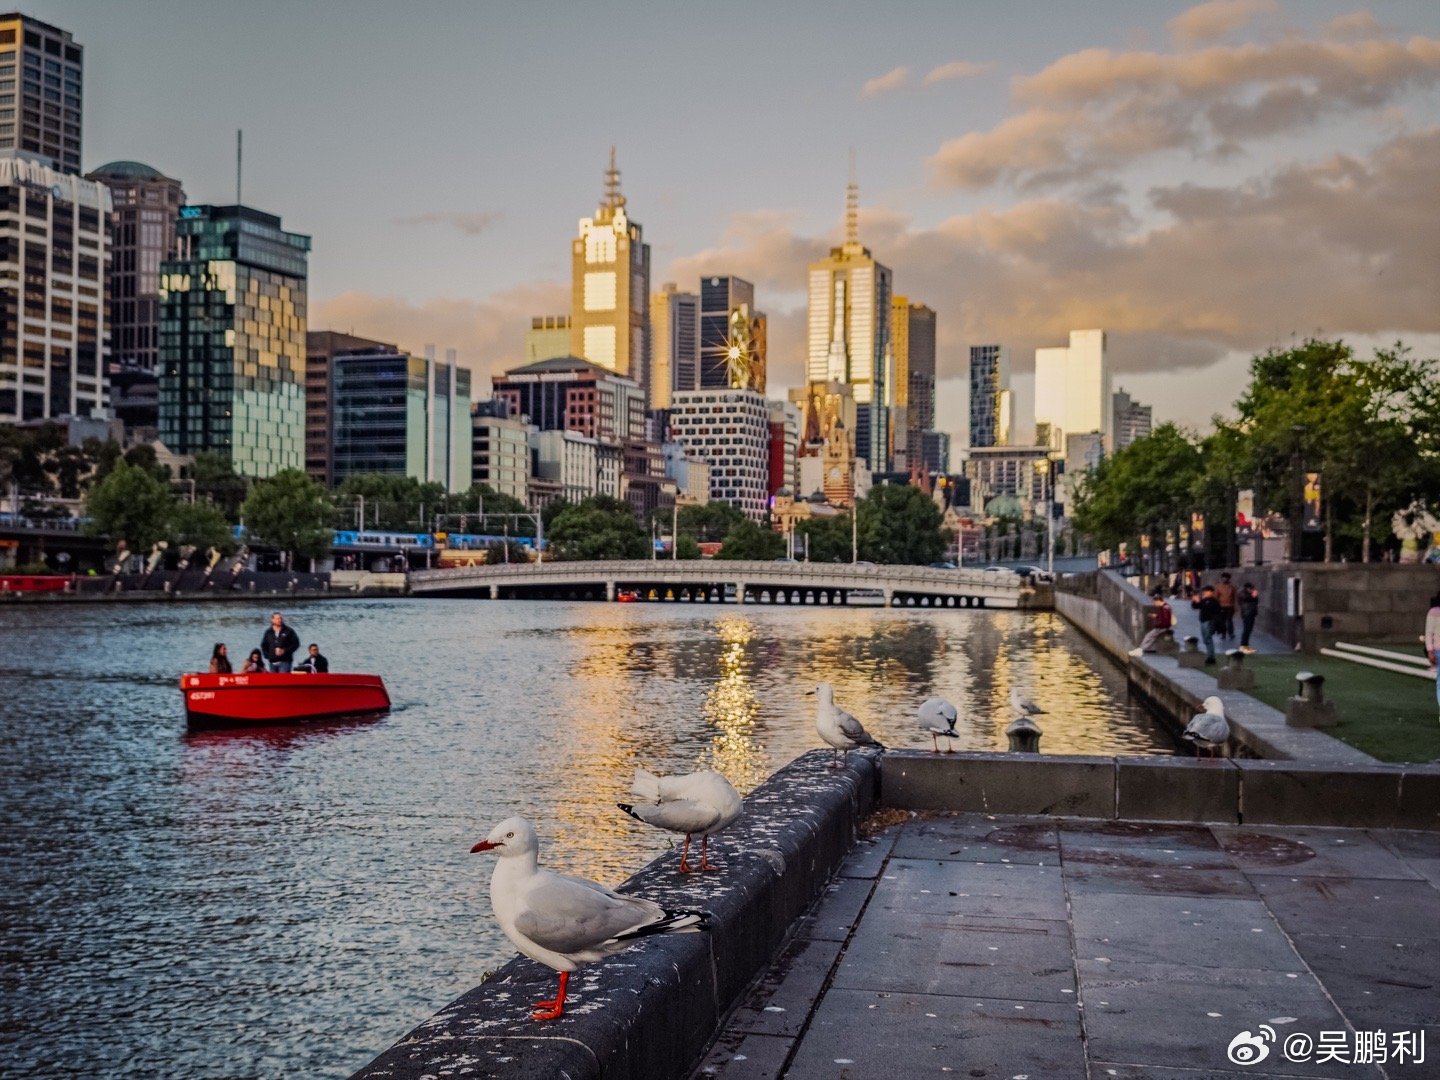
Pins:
x: 280, y: 644
x: 1225, y: 597
x: 1162, y: 623
x: 1432, y: 641
x: 1210, y: 617
x: 1249, y: 610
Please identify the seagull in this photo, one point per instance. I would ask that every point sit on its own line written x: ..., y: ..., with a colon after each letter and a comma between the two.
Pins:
x: 1209, y: 730
x: 1022, y: 704
x: 700, y: 802
x: 565, y: 921
x: 937, y: 716
x: 837, y: 727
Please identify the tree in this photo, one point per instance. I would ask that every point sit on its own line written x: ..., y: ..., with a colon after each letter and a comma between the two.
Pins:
x: 1144, y: 488
x: 829, y: 538
x: 291, y: 511
x: 131, y: 505
x: 687, y: 548
x: 900, y: 524
x: 393, y: 501
x: 750, y: 540
x: 200, y: 525
x: 598, y: 528
x: 709, y: 522
x: 217, y: 481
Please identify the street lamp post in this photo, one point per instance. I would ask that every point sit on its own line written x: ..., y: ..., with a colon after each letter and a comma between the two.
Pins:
x: 1297, y: 495
x: 675, y: 531
x: 854, y: 511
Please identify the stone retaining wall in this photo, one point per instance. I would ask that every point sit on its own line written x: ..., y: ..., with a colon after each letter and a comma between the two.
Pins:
x: 650, y: 1012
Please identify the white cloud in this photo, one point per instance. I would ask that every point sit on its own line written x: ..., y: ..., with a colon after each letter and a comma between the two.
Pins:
x: 895, y: 79
x: 466, y: 224
x: 959, y: 69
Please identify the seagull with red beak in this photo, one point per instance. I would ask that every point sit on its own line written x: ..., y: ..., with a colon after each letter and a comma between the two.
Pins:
x: 563, y: 921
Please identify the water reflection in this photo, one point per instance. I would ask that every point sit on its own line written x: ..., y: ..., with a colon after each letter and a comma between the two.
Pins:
x: 290, y: 902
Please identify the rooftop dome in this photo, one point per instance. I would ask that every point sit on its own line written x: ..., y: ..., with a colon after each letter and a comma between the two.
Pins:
x: 129, y: 170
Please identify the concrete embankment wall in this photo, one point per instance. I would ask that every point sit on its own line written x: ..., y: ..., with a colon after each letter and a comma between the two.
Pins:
x: 650, y: 1011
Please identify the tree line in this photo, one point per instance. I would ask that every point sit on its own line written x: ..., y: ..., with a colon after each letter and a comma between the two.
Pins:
x: 1369, y: 427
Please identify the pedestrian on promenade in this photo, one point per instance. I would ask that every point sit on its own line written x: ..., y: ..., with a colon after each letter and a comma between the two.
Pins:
x: 1162, y: 623
x: 1210, y: 618
x: 280, y: 644
x: 1249, y: 610
x: 219, y: 661
x: 1225, y: 597
x: 1432, y: 641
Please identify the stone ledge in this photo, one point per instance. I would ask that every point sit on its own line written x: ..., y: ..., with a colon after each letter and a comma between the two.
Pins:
x: 651, y: 1011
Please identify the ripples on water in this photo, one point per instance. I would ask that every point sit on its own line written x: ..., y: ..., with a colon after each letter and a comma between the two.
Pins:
x: 288, y: 903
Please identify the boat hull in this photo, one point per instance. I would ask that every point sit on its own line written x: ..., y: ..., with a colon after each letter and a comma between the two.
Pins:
x: 267, y: 698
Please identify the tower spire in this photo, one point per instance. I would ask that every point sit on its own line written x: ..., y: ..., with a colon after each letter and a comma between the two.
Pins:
x: 852, y: 205
x: 613, y: 199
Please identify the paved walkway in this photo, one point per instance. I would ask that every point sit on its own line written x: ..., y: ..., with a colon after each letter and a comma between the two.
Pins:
x: 980, y: 946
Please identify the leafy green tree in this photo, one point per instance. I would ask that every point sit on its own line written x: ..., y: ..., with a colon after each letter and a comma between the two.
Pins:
x: 829, y: 539
x: 393, y: 501
x: 1144, y: 488
x: 216, y: 481
x: 495, y: 502
x: 131, y: 505
x: 291, y: 511
x: 749, y: 540
x: 710, y: 522
x: 200, y: 524
x: 598, y: 528
x: 502, y: 552
x: 687, y: 548
x: 900, y: 524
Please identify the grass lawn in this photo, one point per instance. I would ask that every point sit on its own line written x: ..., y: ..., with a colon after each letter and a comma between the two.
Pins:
x: 1391, y: 716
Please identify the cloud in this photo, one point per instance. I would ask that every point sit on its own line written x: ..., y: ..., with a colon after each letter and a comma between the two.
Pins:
x: 1357, y: 24
x: 1344, y: 246
x: 1092, y: 113
x: 466, y: 224
x: 488, y: 335
x: 1209, y: 22
x: 894, y: 79
x: 959, y: 69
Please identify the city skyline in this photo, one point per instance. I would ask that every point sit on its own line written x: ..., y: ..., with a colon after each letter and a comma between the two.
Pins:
x: 1200, y: 181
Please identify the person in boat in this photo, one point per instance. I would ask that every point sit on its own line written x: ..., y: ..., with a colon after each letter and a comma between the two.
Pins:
x: 280, y: 644
x: 219, y: 661
x: 256, y: 663
x: 314, y: 664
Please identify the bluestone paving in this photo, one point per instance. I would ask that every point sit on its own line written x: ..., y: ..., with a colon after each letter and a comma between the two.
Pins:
x: 1002, y: 946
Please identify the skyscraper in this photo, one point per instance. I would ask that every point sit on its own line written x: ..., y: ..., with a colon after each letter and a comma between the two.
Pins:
x: 146, y: 205
x: 232, y: 339
x: 732, y: 339
x: 730, y: 430
x: 1072, y: 388
x: 321, y: 348
x: 54, y: 256
x: 849, y: 332
x: 548, y: 337
x: 912, y: 379
x: 675, y: 344
x: 985, y: 389
x: 41, y: 89
x: 610, y: 288
x: 1132, y: 420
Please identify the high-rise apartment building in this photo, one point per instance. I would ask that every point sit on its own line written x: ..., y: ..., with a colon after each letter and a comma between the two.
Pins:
x: 232, y: 339
x: 848, y: 332
x: 985, y: 389
x: 146, y: 205
x: 912, y: 379
x: 547, y: 338
x: 1132, y: 420
x: 54, y: 258
x: 570, y: 394
x: 1072, y: 388
x: 400, y: 414
x: 501, y: 450
x: 732, y: 335
x: 41, y: 90
x: 729, y: 430
x: 675, y: 343
x: 610, y: 288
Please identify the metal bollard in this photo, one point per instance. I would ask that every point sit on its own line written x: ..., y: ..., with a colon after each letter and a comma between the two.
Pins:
x: 1024, y: 735
x: 1234, y: 675
x: 1310, y: 687
x: 1308, y: 708
x: 1190, y: 655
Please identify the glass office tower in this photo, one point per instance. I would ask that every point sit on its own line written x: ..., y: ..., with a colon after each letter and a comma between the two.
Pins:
x: 232, y: 339
x: 41, y: 90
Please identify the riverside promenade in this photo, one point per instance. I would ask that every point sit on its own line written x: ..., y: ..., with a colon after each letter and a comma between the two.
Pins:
x: 1007, y: 915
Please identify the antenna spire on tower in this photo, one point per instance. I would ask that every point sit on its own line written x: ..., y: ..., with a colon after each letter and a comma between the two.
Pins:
x: 852, y: 205
x: 613, y: 199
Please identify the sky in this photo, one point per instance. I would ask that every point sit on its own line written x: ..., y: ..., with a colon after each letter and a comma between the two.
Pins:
x: 1204, y: 182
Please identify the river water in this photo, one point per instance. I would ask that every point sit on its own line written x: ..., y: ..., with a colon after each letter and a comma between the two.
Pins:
x: 287, y: 904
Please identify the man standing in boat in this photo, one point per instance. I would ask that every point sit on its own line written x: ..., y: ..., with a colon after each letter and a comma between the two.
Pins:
x: 280, y: 644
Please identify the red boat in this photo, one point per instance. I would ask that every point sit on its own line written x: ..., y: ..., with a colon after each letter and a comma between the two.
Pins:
x: 278, y: 698
x: 626, y: 596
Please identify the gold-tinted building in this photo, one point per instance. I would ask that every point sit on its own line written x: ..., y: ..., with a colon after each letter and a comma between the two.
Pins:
x: 610, y: 288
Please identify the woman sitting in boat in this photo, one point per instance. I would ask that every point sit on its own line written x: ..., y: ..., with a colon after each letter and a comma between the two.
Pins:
x: 219, y: 661
x: 255, y: 664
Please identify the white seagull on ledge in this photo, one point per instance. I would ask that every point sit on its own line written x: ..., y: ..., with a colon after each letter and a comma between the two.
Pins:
x: 937, y: 716
x: 563, y: 921
x: 699, y: 802
x: 837, y: 727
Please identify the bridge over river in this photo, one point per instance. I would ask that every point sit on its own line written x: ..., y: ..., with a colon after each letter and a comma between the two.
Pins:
x: 718, y: 581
